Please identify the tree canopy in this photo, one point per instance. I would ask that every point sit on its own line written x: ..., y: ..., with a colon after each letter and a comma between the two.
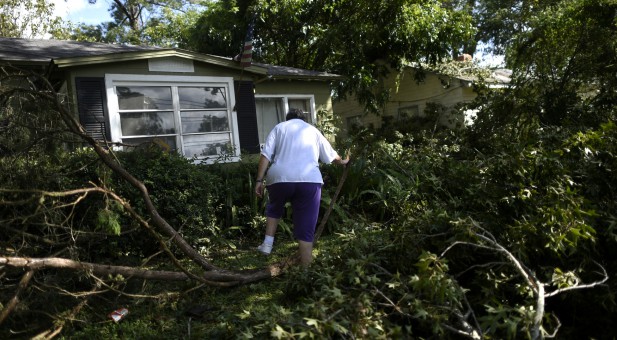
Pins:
x: 27, y: 19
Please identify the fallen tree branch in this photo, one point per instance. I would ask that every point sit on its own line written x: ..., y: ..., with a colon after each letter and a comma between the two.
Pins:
x: 99, y: 269
x: 10, y: 306
x: 151, y: 220
x: 581, y: 286
x: 215, y: 278
x: 538, y: 287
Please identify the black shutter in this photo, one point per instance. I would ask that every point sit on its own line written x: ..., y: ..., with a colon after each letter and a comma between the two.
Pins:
x: 92, y: 107
x: 247, y: 116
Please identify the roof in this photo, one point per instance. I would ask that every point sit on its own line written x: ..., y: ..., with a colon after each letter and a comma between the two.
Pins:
x: 493, y: 77
x: 45, y: 50
x: 64, y: 53
x: 468, y: 72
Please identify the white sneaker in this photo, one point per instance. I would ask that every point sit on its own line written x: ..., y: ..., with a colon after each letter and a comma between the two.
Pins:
x: 265, y: 249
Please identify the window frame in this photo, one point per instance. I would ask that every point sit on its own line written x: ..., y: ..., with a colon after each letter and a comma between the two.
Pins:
x: 114, y: 80
x: 285, y: 99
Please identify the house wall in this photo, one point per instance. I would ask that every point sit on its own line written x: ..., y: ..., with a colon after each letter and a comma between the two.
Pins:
x: 141, y: 67
x: 408, y: 95
x: 320, y: 90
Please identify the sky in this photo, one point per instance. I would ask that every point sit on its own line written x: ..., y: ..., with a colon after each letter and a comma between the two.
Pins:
x: 488, y: 60
x: 81, y: 11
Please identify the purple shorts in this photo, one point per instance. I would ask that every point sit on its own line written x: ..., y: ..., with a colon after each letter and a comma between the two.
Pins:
x: 305, y: 200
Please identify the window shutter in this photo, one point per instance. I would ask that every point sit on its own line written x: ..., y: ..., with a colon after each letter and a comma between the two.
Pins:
x: 247, y: 116
x: 92, y: 107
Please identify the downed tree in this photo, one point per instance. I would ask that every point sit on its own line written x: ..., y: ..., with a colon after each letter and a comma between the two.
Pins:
x: 487, y: 241
x: 153, y: 222
x: 215, y: 278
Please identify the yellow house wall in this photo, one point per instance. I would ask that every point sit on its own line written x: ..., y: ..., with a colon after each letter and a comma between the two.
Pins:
x: 408, y: 92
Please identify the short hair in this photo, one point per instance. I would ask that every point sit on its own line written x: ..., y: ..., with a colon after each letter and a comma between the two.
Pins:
x: 295, y: 114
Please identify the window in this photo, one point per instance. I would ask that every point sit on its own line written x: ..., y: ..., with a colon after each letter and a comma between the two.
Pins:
x: 189, y: 114
x: 271, y: 110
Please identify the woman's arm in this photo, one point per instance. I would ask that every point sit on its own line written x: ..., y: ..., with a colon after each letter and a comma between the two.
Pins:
x: 338, y: 160
x: 261, y: 173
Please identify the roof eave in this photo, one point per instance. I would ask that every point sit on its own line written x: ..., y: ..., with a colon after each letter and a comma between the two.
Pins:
x: 22, y: 63
x: 257, y: 69
x: 309, y: 78
x: 144, y: 55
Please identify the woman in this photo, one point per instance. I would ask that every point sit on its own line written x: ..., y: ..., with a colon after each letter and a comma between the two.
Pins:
x: 291, y: 158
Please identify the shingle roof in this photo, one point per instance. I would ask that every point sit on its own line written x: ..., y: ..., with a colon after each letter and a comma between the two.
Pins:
x: 44, y: 51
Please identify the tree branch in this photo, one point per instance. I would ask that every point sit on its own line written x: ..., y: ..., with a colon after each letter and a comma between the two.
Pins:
x: 581, y: 286
x: 10, y: 306
x: 324, y: 220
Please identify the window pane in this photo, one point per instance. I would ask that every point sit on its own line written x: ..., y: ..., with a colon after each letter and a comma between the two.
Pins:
x: 269, y: 113
x: 302, y: 104
x: 204, y: 121
x: 202, y: 97
x: 167, y: 142
x: 206, y: 145
x: 147, y: 123
x: 144, y: 98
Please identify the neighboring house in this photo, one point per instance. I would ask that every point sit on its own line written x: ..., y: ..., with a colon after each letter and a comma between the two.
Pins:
x: 409, y: 97
x: 202, y: 105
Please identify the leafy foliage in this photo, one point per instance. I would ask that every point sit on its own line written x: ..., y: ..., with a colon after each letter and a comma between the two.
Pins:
x: 27, y: 19
x: 137, y: 22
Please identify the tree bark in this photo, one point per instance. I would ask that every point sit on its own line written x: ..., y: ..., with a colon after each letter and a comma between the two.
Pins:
x: 216, y: 278
x: 10, y: 306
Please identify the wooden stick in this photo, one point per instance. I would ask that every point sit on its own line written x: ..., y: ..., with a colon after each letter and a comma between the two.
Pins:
x: 324, y: 220
x: 10, y: 306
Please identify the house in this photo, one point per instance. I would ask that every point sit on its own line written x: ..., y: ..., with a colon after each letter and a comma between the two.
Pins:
x: 202, y: 105
x: 414, y: 91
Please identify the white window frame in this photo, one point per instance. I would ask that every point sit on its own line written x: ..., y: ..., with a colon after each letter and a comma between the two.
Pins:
x: 113, y: 80
x: 286, y: 97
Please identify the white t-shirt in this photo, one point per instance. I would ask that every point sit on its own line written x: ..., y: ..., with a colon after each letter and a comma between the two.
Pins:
x: 294, y: 149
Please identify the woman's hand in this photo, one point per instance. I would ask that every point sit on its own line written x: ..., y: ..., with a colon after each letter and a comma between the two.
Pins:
x: 259, y: 189
x: 340, y: 161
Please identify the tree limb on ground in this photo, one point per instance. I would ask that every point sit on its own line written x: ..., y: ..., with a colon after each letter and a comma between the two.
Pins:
x: 488, y: 241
